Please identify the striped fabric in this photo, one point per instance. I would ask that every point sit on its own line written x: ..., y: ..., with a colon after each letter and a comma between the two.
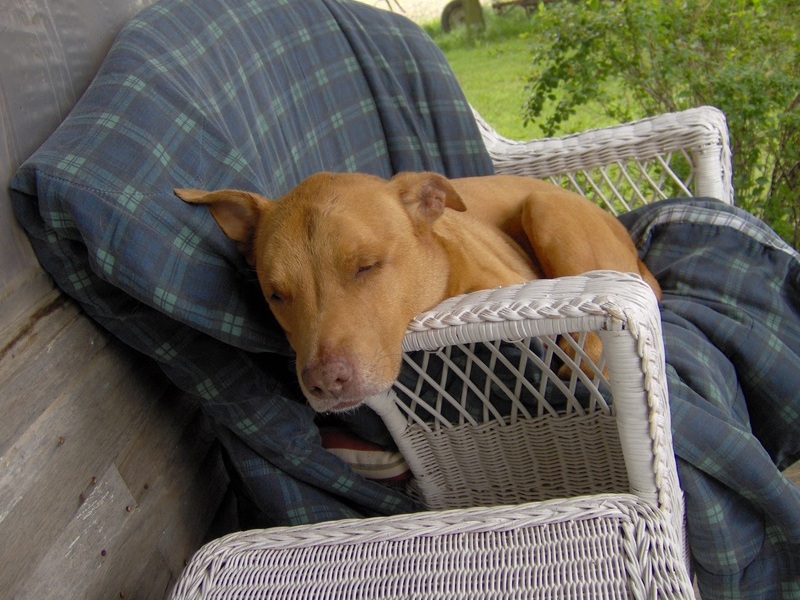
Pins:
x: 371, y: 460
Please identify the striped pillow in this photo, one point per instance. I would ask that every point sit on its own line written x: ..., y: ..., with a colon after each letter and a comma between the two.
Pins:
x: 365, y: 458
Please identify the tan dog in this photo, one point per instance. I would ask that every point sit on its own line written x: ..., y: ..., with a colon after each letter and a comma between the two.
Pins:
x: 345, y: 261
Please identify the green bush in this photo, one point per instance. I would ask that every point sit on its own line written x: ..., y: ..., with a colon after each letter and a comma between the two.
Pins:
x: 493, y: 66
x: 642, y: 57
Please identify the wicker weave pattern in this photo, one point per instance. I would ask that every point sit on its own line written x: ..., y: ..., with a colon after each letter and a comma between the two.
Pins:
x: 445, y: 453
x: 624, y: 166
x: 602, y: 547
x: 472, y: 458
x: 525, y: 461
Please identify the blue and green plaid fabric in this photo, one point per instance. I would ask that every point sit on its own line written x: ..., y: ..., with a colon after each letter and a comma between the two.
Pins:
x: 252, y: 94
x: 731, y: 321
x: 258, y: 95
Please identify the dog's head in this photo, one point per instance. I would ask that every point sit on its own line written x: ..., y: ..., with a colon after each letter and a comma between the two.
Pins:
x: 344, y: 261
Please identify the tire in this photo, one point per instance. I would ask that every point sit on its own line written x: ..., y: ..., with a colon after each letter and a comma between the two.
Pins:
x: 453, y: 15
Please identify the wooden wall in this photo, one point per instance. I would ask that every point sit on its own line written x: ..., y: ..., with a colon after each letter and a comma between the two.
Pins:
x: 107, y: 479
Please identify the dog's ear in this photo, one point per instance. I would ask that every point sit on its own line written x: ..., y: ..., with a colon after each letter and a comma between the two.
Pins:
x: 236, y: 212
x: 426, y: 195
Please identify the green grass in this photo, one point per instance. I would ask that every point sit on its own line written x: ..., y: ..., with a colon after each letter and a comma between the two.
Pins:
x: 493, y: 79
x: 493, y: 68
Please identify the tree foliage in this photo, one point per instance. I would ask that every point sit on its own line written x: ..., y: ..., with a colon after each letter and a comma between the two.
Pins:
x: 643, y: 57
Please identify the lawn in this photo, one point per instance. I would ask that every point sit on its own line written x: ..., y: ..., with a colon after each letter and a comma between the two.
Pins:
x: 493, y: 78
x: 493, y: 68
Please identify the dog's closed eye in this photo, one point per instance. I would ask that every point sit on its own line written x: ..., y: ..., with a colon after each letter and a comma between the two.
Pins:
x: 276, y: 295
x: 367, y: 267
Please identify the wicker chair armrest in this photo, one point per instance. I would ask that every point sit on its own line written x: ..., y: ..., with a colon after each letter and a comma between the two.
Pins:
x: 596, y: 301
x: 586, y: 546
x: 702, y: 132
x: 623, y: 311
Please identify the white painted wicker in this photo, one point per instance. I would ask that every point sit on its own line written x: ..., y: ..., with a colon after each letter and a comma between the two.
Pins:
x: 609, y: 433
x: 583, y: 548
x: 484, y: 418
x: 621, y: 167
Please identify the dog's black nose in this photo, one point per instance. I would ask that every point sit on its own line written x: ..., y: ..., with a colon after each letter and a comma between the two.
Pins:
x: 328, y: 379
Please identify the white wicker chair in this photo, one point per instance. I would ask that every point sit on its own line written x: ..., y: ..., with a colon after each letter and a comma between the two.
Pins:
x: 483, y: 419
x: 599, y: 547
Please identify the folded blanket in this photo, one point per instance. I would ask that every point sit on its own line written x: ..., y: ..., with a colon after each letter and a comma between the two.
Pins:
x: 731, y: 321
x: 256, y: 95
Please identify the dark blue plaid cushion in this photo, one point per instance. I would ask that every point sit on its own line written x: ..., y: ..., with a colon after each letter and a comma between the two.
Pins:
x: 252, y: 94
x: 731, y: 321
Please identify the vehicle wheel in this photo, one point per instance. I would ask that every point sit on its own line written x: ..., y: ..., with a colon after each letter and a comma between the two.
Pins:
x: 454, y: 15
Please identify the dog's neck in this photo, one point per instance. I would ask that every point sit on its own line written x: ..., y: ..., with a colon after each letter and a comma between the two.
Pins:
x: 479, y: 258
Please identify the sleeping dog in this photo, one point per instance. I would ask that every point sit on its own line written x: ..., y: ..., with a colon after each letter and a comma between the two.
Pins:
x: 346, y: 260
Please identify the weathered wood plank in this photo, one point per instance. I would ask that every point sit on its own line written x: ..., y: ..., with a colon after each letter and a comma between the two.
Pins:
x: 162, y: 441
x: 137, y: 562
x: 71, y: 398
x: 86, y: 548
x: 186, y: 529
x: 103, y: 408
x: 42, y: 365
x: 110, y: 549
x: 173, y: 534
x: 106, y: 395
x: 146, y: 578
x: 48, y: 471
x: 24, y: 289
x: 173, y: 482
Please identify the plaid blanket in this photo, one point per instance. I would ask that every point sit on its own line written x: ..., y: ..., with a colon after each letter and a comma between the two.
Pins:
x: 731, y: 322
x: 258, y: 94
x: 251, y: 94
